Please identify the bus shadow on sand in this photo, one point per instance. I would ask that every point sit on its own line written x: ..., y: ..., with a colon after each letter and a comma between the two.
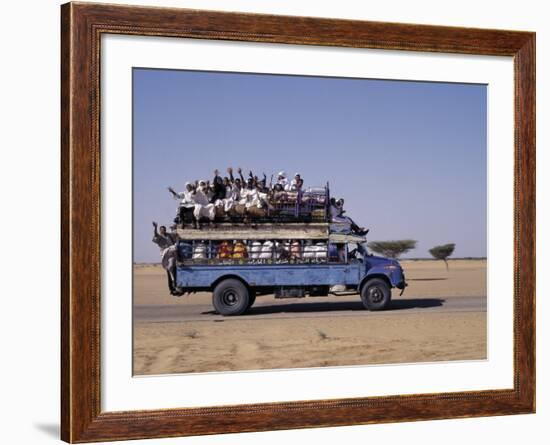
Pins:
x: 396, y: 304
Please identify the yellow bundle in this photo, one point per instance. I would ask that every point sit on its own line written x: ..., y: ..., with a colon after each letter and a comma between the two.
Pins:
x: 239, y: 250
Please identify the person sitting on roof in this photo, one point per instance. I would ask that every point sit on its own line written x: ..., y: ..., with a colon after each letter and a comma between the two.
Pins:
x: 261, y: 185
x: 218, y: 188
x: 240, y: 182
x: 228, y: 186
x: 282, y: 179
x: 232, y: 194
x: 337, y: 216
x: 203, y: 207
x: 262, y: 191
x: 250, y: 196
x: 296, y: 184
x: 278, y: 193
x: 185, y: 196
x: 187, y: 204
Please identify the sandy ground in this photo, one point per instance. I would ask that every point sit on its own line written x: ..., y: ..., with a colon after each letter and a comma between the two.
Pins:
x: 441, y: 316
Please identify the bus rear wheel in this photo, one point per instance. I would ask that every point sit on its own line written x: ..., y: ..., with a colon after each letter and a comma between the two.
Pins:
x: 376, y: 295
x: 230, y: 297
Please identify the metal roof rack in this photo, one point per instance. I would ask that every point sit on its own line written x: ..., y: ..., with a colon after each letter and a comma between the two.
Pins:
x: 264, y: 231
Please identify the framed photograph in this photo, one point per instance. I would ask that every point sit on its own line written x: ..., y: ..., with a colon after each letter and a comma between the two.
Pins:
x: 274, y: 222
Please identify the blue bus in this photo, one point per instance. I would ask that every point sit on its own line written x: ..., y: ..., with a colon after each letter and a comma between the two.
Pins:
x: 239, y: 263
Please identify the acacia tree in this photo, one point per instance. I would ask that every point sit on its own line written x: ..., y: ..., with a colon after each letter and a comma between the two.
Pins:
x: 392, y: 249
x: 443, y: 252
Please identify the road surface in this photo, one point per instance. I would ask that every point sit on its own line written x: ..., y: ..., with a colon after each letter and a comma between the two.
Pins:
x: 267, y: 307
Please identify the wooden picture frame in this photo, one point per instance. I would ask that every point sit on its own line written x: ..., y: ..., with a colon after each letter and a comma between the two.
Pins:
x: 82, y: 26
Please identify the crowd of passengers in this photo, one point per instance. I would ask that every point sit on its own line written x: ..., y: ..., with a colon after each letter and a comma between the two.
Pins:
x: 231, y: 195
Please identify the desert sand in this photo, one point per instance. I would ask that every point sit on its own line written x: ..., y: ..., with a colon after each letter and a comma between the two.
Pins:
x: 440, y: 317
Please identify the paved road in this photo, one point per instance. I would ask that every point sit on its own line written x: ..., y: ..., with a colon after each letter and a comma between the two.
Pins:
x: 267, y: 307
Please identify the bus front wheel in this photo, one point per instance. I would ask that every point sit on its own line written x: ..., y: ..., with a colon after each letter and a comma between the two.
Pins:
x: 230, y: 297
x: 376, y: 295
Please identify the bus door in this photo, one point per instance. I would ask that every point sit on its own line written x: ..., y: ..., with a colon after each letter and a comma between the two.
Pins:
x: 354, y: 261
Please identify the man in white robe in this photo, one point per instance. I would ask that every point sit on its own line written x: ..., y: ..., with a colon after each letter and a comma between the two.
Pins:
x: 186, y: 201
x: 250, y: 196
x: 282, y: 180
x: 203, y: 207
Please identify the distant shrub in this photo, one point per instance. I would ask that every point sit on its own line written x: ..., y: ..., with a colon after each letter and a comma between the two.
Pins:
x: 392, y: 249
x: 443, y: 252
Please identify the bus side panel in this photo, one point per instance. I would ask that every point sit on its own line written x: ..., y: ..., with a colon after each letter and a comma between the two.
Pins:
x: 195, y: 276
x: 349, y: 274
x: 202, y: 276
x: 332, y: 274
x: 255, y: 275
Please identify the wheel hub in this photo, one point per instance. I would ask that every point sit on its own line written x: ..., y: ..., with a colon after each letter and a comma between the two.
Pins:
x: 375, y: 294
x: 230, y: 297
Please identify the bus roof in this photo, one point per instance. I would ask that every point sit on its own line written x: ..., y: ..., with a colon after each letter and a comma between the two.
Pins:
x: 260, y: 232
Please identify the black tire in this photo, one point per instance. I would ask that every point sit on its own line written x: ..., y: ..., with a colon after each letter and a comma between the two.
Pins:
x: 376, y: 295
x: 230, y: 297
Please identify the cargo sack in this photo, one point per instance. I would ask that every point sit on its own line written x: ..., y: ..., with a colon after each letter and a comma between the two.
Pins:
x: 317, y: 251
x: 318, y: 214
x: 199, y: 251
x: 239, y: 250
x: 267, y: 250
x: 256, y: 212
x: 238, y: 209
x: 321, y: 251
x: 292, y: 197
x: 255, y: 249
x: 225, y: 250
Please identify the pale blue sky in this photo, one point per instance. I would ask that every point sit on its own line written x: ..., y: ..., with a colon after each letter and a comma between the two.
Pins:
x: 409, y: 158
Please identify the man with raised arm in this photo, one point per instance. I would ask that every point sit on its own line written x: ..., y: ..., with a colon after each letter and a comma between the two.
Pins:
x: 218, y: 188
x: 187, y: 203
x: 166, y: 242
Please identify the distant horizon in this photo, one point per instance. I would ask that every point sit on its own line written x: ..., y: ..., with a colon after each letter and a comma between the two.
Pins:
x: 410, y: 158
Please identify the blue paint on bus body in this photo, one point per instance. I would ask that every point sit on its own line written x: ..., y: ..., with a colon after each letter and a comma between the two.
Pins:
x: 352, y: 274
